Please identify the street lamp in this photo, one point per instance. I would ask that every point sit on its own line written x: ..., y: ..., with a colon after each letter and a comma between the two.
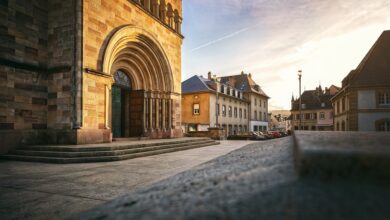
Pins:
x: 300, y: 99
x: 216, y: 80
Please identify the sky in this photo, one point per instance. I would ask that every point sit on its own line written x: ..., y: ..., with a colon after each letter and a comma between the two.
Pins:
x: 273, y: 39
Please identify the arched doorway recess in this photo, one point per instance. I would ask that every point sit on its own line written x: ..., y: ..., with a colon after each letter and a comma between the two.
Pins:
x: 145, y: 102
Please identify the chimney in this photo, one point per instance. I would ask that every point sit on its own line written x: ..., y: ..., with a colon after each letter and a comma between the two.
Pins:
x: 242, y: 72
x: 250, y: 75
x: 209, y: 75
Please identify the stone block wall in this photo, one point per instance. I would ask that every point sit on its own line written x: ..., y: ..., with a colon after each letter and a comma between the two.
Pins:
x: 36, y: 59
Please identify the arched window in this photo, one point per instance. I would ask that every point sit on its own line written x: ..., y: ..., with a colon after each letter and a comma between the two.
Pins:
x: 122, y: 79
x: 178, y: 21
x: 163, y: 11
x: 170, y: 15
x: 155, y: 8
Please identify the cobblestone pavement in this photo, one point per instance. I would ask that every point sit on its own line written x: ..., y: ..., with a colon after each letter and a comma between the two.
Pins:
x: 255, y: 182
x: 57, y: 191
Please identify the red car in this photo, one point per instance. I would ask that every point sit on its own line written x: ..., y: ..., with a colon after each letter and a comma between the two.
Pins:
x: 275, y: 134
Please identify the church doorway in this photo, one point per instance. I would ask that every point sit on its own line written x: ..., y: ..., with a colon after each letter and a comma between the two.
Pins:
x: 120, y: 104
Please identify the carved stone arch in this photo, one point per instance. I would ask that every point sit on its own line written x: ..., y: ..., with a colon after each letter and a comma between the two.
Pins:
x: 135, y: 49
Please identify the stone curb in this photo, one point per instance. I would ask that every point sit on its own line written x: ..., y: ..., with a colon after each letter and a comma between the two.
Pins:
x: 329, y: 155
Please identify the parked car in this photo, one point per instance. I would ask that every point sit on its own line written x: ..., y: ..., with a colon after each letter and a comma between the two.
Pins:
x: 266, y: 134
x: 275, y: 134
x: 258, y: 136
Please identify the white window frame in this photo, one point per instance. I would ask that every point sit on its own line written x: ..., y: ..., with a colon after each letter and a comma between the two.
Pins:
x: 196, y: 109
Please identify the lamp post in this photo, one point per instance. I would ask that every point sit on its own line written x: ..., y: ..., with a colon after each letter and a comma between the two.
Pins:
x: 300, y: 100
x: 216, y: 80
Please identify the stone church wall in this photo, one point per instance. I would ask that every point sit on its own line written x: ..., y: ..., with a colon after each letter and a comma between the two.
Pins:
x: 36, y: 47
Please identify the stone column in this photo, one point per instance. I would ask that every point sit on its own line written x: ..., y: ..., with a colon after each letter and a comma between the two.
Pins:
x: 157, y: 113
x: 170, y: 114
x: 150, y: 114
x: 163, y: 11
x: 147, y: 5
x: 170, y: 18
x: 145, y: 125
x: 164, y: 114
x: 178, y: 21
x: 156, y: 8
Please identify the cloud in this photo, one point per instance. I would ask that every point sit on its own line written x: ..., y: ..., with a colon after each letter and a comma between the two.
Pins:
x: 325, y: 38
x: 219, y: 39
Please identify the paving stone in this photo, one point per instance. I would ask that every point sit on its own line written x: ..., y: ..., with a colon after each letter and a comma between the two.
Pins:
x: 254, y: 182
x: 54, y: 191
x: 361, y: 155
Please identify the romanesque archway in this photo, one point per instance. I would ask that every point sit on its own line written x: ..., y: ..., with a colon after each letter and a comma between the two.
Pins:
x: 136, y: 53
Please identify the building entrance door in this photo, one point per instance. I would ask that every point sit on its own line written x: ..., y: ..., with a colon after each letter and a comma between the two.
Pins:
x: 117, y: 111
x: 120, y: 105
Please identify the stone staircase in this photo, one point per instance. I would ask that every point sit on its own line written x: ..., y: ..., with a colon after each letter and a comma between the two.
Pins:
x: 121, y: 150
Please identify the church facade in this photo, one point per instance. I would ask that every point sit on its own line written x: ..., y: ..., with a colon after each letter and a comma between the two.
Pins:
x: 88, y: 71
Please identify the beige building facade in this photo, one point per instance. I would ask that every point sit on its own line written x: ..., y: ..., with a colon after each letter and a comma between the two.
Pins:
x: 363, y: 103
x: 83, y: 71
x: 316, y: 110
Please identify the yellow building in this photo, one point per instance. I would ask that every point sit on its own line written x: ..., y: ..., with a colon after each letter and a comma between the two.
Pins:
x: 83, y: 71
x: 235, y: 103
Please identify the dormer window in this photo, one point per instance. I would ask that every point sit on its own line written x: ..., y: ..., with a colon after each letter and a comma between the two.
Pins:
x: 234, y: 93
x: 222, y: 89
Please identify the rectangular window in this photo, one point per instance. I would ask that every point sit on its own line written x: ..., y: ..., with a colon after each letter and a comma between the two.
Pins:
x: 297, y: 117
x: 384, y: 126
x: 307, y: 116
x: 255, y: 115
x: 234, y: 92
x: 260, y: 103
x: 303, y: 106
x: 230, y: 111
x: 322, y: 116
x: 265, y: 104
x: 222, y: 89
x: 240, y: 112
x: 384, y: 98
x: 255, y: 102
x: 265, y: 116
x: 244, y: 113
x: 260, y: 116
x: 343, y: 105
x: 224, y: 110
x: 217, y: 111
x: 235, y: 112
x: 196, y: 109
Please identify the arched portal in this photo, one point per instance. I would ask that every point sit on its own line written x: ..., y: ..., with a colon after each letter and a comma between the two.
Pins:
x: 135, y: 57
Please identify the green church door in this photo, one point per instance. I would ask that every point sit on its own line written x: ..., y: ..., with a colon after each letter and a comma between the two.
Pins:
x: 116, y: 111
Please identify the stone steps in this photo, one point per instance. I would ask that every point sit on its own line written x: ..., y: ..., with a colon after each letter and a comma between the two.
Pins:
x: 102, y: 153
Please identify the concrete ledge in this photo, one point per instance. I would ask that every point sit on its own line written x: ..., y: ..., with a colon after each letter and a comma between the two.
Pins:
x: 342, y: 154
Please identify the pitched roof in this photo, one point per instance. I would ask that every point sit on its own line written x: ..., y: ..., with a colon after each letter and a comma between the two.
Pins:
x: 243, y: 82
x: 374, y: 69
x: 313, y: 100
x: 194, y: 84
